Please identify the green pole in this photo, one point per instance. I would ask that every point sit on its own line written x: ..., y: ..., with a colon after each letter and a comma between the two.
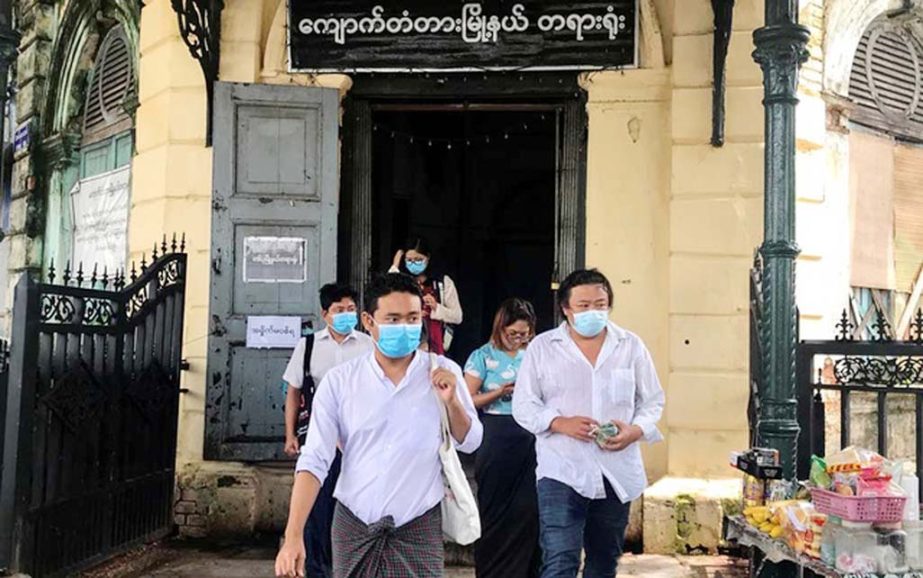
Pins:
x: 780, y: 51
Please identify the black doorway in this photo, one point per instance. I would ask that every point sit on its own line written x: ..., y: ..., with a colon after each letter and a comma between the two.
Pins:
x: 480, y: 185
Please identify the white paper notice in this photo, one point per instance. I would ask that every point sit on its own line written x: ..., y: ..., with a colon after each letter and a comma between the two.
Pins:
x: 274, y: 260
x: 273, y: 332
x: 100, y: 209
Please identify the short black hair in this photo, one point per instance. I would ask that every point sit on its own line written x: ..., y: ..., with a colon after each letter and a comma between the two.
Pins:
x: 582, y: 277
x: 334, y: 292
x: 386, y: 284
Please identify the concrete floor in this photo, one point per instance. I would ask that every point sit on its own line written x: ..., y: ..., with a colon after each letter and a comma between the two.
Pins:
x: 188, y: 561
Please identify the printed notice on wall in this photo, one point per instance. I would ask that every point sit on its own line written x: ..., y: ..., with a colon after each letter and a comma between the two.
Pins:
x: 100, y: 208
x: 274, y: 260
x: 273, y: 332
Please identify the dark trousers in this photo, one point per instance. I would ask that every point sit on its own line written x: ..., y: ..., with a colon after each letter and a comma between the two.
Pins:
x: 319, y: 563
x: 571, y: 523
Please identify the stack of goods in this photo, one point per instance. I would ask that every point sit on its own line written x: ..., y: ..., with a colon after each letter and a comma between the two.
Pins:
x: 762, y: 476
x: 863, y: 516
x: 864, y: 498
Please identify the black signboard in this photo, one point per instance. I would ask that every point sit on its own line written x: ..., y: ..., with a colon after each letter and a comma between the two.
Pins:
x: 448, y: 35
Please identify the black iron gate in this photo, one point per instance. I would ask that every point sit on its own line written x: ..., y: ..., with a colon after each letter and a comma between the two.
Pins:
x: 862, y: 391
x: 91, y: 416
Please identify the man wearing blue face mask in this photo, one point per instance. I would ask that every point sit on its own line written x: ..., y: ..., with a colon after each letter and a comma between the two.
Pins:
x: 383, y: 408
x: 586, y: 374
x: 313, y: 357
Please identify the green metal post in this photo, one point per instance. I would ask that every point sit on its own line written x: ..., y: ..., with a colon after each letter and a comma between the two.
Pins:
x: 780, y: 51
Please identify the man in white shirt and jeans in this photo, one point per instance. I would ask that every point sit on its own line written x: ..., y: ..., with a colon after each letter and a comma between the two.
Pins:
x: 313, y: 357
x: 383, y: 408
x: 586, y: 373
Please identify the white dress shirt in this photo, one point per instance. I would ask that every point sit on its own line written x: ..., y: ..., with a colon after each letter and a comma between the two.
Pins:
x: 390, y: 437
x: 556, y: 379
x: 325, y: 355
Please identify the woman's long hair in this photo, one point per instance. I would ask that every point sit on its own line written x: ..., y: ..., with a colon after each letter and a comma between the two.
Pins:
x: 510, y: 311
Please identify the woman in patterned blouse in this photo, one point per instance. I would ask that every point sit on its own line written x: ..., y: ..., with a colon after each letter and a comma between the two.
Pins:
x: 505, y: 466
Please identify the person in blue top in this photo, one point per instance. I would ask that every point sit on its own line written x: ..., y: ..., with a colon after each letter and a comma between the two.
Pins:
x: 505, y: 463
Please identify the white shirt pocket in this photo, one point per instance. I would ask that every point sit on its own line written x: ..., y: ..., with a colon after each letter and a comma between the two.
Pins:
x: 621, y: 393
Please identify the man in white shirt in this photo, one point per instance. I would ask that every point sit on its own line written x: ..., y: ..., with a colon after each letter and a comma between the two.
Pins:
x: 383, y: 408
x: 313, y: 357
x: 586, y: 373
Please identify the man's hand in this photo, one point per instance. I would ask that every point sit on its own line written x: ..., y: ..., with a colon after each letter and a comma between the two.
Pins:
x: 291, y: 445
x: 430, y: 302
x: 445, y: 383
x: 508, y: 388
x: 577, y: 427
x: 397, y: 258
x: 628, y: 434
x: 290, y: 561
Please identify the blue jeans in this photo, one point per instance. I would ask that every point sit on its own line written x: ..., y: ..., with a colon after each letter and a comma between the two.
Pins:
x: 571, y: 523
x: 319, y: 563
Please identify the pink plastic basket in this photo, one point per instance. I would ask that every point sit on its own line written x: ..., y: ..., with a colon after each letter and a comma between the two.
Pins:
x: 859, y: 509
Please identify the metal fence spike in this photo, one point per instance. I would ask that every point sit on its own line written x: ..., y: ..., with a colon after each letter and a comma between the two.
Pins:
x: 173, y: 243
x: 67, y: 273
x: 182, y: 244
x: 163, y: 245
x: 51, y: 272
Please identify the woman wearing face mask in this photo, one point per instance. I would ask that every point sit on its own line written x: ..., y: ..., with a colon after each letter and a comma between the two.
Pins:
x: 505, y: 465
x: 441, y: 308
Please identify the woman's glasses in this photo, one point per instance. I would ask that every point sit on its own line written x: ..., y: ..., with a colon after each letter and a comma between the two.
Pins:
x: 516, y: 336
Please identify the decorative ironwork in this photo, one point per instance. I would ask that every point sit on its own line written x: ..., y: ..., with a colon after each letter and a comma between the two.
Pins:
x: 879, y: 371
x: 58, y: 308
x: 916, y: 327
x: 98, y: 312
x: 76, y: 398
x: 85, y: 375
x: 724, y: 15
x: 152, y: 392
x: 781, y: 48
x: 845, y: 328
x: 137, y: 301
x: 881, y: 327
x: 200, y: 28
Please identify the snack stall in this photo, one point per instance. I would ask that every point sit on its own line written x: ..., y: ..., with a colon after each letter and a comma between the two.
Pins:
x: 857, y: 515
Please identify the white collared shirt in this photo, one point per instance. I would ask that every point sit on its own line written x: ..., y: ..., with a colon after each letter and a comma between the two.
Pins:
x: 325, y: 355
x: 557, y: 380
x: 390, y: 437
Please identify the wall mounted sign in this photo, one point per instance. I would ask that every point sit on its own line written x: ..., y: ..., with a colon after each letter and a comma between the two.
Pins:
x: 274, y: 260
x: 100, y: 206
x: 422, y: 35
x: 271, y: 332
x: 21, y: 138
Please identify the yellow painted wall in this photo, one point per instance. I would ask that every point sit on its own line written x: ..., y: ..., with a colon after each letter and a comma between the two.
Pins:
x: 672, y: 220
x: 715, y: 224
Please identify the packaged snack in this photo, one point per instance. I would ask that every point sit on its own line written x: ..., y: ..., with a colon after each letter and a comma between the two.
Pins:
x: 754, y: 491
x: 819, y: 476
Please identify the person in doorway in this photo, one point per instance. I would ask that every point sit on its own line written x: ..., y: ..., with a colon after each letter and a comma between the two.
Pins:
x: 442, y: 310
x: 573, y: 379
x: 505, y: 464
x: 383, y: 409
x: 313, y: 357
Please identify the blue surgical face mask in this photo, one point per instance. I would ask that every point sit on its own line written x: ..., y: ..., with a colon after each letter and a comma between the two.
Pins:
x: 397, y: 341
x: 415, y: 267
x: 590, y: 323
x: 344, y: 323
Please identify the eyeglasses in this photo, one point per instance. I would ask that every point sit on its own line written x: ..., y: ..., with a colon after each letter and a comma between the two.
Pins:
x: 519, y: 336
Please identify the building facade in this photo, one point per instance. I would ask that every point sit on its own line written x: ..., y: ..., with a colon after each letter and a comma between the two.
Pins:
x: 518, y: 177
